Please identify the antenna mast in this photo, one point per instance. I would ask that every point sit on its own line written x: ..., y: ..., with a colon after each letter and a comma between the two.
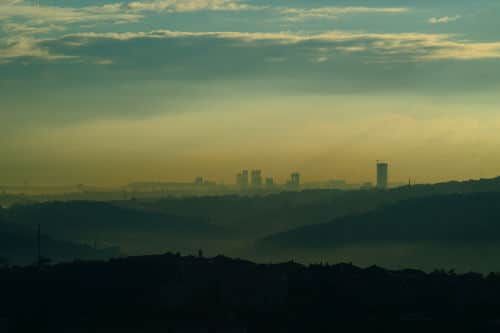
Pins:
x: 39, y: 246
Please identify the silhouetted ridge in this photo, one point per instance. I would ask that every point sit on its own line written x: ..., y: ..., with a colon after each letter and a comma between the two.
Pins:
x: 105, y: 225
x: 451, y: 218
x: 77, y: 216
x: 177, y: 294
x: 18, y: 244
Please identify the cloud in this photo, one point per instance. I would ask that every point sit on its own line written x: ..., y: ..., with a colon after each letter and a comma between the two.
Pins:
x: 103, y: 62
x: 25, y: 47
x: 333, y: 12
x: 21, y: 21
x: 373, y: 47
x: 17, y: 16
x: 54, y: 15
x: 351, y: 49
x: 465, y: 51
x: 409, y: 46
x: 444, y: 19
x: 191, y: 5
x: 320, y: 59
x: 21, y: 28
x: 278, y: 37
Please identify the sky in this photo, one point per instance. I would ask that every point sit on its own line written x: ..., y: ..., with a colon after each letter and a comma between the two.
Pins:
x: 106, y: 93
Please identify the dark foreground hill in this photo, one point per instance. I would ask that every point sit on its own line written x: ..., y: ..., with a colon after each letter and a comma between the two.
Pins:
x: 170, y: 293
x: 430, y: 226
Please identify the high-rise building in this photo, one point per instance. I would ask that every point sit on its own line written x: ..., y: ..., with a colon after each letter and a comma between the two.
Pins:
x: 382, y: 175
x: 242, y: 179
x: 294, y: 181
x: 256, y: 178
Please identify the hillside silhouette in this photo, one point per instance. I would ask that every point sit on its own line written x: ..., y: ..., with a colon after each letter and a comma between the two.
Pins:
x: 18, y: 245
x: 66, y: 218
x: 107, y: 224
x: 449, y: 225
x: 459, y: 217
x: 261, y: 215
x: 470, y: 222
x: 172, y: 293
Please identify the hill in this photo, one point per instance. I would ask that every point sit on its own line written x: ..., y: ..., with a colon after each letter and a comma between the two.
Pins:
x: 429, y: 227
x: 18, y: 245
x: 192, y: 294
x: 104, y: 223
x: 260, y: 215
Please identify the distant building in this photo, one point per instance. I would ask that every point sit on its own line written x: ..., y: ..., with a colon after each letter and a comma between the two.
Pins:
x: 256, y: 178
x: 198, y: 181
x: 242, y: 179
x: 269, y: 182
x: 294, y: 181
x: 382, y: 175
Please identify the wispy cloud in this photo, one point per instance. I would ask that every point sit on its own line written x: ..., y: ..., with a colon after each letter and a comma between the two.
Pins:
x: 18, y: 16
x: 374, y: 47
x: 190, y: 5
x: 351, y: 49
x: 444, y: 19
x: 61, y: 15
x: 409, y: 47
x: 334, y: 12
x: 21, y: 28
x: 279, y: 37
x: 25, y: 47
x: 465, y: 51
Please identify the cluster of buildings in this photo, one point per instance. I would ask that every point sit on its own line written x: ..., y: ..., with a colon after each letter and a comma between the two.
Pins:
x: 246, y: 182
x: 200, y: 181
x: 254, y: 179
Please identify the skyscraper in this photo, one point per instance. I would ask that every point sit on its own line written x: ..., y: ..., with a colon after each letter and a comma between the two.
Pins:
x: 256, y: 178
x: 242, y: 179
x: 382, y: 175
x: 294, y: 181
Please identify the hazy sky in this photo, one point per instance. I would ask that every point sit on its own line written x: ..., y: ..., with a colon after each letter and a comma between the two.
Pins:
x: 106, y: 93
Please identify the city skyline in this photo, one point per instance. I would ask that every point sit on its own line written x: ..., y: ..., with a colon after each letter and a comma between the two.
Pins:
x: 262, y: 179
x: 258, y: 179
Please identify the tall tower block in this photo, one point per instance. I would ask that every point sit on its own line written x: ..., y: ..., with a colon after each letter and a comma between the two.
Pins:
x: 382, y: 175
x: 256, y: 178
x: 242, y: 179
